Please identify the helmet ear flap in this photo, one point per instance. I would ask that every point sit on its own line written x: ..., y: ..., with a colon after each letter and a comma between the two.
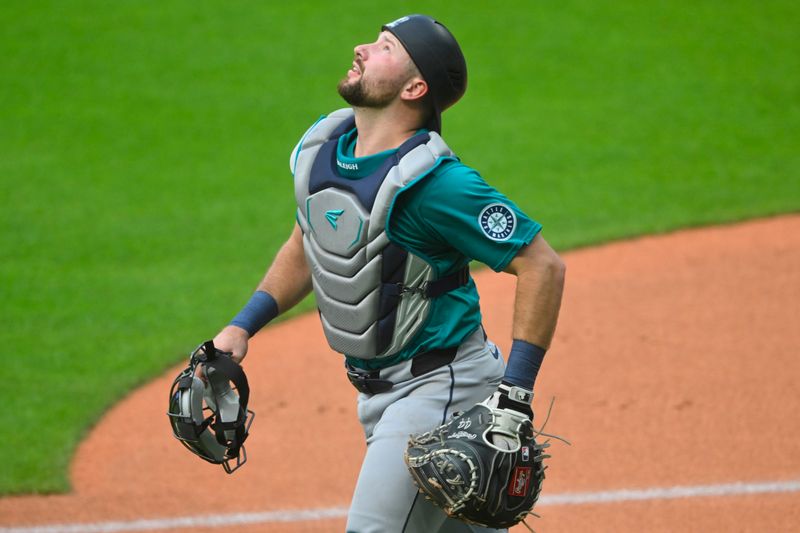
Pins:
x: 194, y: 401
x: 186, y: 406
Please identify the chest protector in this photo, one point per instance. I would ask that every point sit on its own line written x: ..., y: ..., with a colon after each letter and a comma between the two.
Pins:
x: 373, y: 296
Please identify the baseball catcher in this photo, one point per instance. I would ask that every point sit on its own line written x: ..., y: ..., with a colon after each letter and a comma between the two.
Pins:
x: 483, y: 466
x: 388, y: 221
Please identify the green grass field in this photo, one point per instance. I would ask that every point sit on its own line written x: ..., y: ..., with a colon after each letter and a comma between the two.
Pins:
x: 144, y: 158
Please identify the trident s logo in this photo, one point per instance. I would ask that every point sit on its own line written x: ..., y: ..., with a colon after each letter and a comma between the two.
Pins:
x: 332, y: 216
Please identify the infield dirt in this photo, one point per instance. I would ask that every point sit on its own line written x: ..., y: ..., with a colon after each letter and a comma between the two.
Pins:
x: 675, y: 363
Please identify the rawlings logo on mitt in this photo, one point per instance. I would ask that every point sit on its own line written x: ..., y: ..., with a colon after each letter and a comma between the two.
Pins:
x: 483, y: 467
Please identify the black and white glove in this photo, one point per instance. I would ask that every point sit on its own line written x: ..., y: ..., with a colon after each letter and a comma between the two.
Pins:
x: 483, y: 466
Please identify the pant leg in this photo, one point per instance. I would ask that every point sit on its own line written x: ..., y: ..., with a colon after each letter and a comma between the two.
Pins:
x: 385, y: 499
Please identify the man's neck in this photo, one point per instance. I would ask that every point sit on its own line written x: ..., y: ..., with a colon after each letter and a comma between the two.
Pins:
x: 382, y: 129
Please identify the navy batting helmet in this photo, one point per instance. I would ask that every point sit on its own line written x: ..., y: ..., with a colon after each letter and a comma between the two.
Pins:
x: 438, y: 57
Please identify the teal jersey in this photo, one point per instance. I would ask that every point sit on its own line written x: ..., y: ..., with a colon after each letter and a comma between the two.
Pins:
x: 448, y: 217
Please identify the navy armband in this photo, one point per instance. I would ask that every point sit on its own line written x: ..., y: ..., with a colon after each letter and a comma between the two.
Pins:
x: 261, y: 308
x: 524, y: 362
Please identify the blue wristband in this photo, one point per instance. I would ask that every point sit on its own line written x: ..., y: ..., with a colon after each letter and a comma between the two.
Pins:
x: 524, y: 362
x: 261, y: 308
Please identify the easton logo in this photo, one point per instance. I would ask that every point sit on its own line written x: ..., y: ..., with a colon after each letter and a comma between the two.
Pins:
x: 498, y: 222
x: 520, y: 481
x: 332, y: 216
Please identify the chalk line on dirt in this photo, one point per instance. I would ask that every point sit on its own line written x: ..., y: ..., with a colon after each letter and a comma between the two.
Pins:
x: 569, y: 498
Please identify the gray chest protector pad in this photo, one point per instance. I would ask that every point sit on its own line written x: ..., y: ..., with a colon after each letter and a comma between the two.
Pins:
x: 370, y: 292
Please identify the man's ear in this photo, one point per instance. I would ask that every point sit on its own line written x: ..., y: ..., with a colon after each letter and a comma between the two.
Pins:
x: 414, y: 90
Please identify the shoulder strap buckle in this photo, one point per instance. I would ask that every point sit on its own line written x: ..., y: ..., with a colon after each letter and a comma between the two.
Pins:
x: 421, y: 289
x: 436, y: 288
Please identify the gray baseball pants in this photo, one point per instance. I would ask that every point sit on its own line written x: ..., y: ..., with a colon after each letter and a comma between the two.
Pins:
x: 386, y: 499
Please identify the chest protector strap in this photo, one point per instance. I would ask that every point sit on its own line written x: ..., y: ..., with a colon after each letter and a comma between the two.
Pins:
x: 436, y: 288
x: 373, y: 296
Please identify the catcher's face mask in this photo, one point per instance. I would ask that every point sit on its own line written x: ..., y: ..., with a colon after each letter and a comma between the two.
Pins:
x: 210, y: 417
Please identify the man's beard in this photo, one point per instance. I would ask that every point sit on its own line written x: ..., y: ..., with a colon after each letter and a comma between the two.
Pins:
x: 357, y: 95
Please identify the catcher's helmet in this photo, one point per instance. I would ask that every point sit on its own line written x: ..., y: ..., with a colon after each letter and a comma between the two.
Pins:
x: 438, y: 57
x: 219, y: 437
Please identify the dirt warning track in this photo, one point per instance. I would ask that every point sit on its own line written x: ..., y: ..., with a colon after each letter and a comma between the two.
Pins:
x: 674, y: 370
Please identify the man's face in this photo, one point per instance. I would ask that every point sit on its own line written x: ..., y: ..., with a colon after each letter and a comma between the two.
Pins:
x: 379, y: 73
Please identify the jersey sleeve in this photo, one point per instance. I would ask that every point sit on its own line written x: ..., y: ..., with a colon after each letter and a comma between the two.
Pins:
x: 461, y: 210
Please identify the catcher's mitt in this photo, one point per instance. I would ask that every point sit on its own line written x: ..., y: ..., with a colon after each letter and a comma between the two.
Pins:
x: 483, y: 467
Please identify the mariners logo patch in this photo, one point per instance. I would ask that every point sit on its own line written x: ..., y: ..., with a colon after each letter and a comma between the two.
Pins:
x: 498, y: 222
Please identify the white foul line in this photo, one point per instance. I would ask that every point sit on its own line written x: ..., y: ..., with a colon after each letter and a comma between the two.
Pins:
x: 574, y: 498
x: 669, y: 493
x: 207, y: 521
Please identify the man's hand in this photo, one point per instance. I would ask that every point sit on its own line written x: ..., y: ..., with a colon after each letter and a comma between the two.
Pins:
x: 233, y: 339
